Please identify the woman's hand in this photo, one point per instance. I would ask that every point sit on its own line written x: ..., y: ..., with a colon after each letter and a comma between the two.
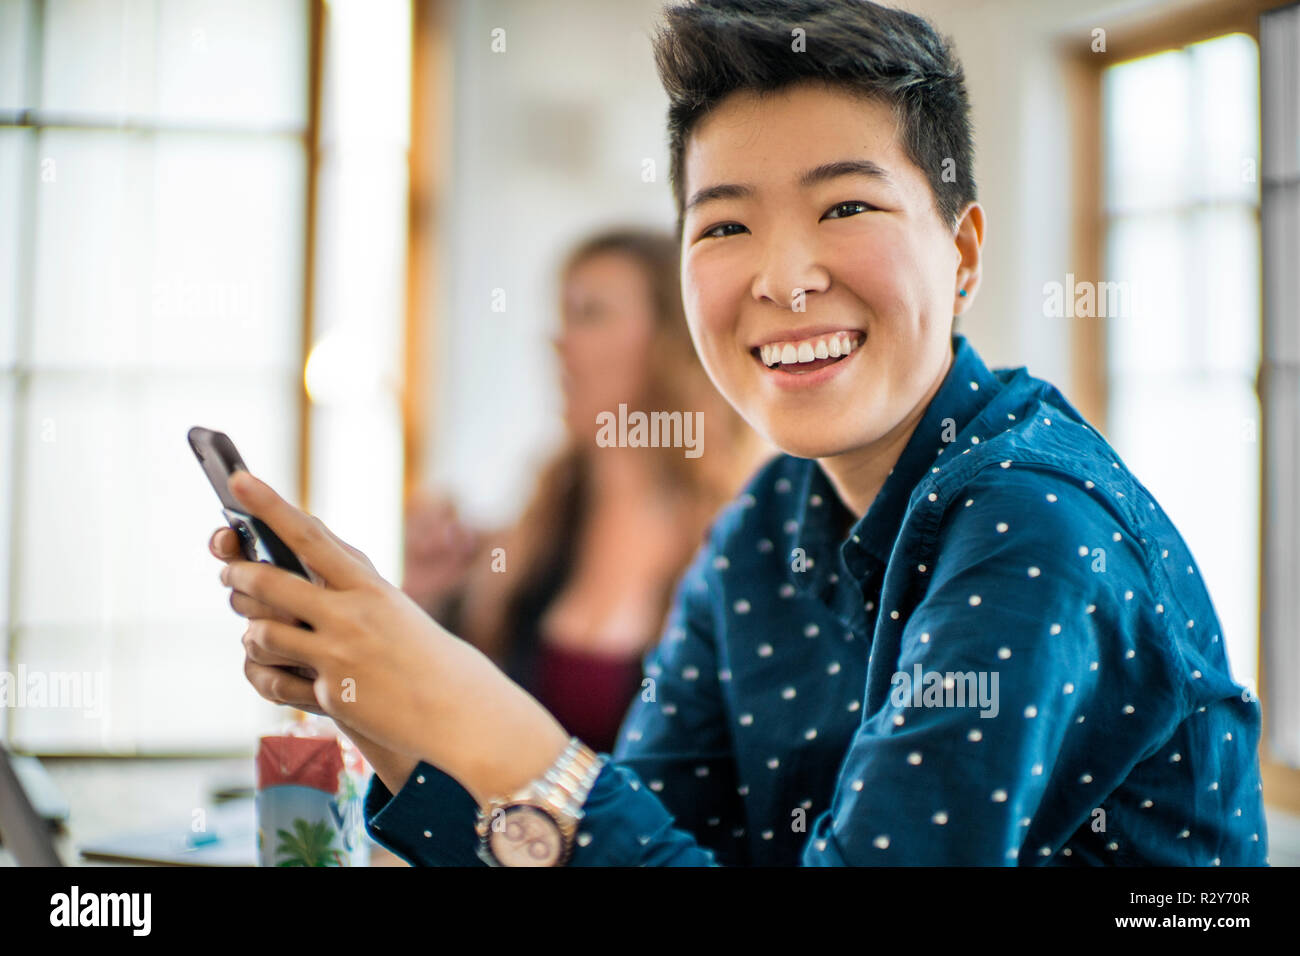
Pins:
x: 438, y: 551
x: 224, y: 545
x: 383, y: 667
x: 393, y: 768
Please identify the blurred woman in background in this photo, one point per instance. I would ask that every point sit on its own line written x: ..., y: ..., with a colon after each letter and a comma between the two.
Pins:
x: 592, y: 562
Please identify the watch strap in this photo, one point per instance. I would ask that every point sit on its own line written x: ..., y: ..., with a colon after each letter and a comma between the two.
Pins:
x: 560, y: 792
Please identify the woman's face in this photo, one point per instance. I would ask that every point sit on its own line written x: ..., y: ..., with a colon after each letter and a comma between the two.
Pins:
x: 608, y: 327
x: 877, y: 266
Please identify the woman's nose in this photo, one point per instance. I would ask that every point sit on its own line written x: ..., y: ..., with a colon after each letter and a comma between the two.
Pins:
x: 563, y: 346
x: 789, y: 272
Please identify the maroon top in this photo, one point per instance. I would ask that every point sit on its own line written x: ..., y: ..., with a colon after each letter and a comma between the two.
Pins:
x: 589, y: 694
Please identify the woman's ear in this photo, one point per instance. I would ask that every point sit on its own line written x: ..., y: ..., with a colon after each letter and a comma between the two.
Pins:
x: 969, y: 242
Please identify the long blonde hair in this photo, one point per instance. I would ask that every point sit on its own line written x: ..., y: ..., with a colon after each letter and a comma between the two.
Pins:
x: 536, y: 546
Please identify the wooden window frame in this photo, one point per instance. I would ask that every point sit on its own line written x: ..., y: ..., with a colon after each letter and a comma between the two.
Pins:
x: 315, y: 77
x: 427, y: 169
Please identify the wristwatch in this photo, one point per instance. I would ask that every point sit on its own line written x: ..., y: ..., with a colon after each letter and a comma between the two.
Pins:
x: 537, y: 825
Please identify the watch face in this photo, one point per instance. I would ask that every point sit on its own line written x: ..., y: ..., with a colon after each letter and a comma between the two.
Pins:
x: 524, y: 836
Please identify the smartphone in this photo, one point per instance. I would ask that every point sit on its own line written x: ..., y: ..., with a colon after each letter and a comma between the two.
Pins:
x: 257, y: 542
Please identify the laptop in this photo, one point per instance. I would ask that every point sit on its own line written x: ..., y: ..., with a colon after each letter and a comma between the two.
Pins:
x: 230, y: 840
x: 25, y: 832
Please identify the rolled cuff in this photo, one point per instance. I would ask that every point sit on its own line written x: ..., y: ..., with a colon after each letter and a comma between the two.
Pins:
x: 429, y: 822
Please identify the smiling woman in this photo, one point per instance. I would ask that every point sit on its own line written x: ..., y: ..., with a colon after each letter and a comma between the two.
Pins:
x: 929, y: 516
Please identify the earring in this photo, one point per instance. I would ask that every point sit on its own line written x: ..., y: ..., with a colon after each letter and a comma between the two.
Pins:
x: 962, y: 292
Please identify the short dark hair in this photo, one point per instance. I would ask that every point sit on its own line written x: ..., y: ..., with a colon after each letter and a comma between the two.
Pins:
x: 708, y: 49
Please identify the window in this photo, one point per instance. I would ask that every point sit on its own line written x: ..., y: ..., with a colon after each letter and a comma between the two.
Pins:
x: 354, y: 372
x: 203, y: 194
x: 1201, y: 214
x: 153, y: 172
x: 1181, y: 243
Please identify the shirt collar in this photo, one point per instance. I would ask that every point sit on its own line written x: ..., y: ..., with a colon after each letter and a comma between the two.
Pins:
x: 966, y: 390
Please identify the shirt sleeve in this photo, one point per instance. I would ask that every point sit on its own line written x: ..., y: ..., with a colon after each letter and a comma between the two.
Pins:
x: 1036, y: 597
x: 429, y: 822
x: 673, y: 765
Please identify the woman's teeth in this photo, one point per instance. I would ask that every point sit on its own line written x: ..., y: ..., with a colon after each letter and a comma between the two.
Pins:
x: 835, y: 345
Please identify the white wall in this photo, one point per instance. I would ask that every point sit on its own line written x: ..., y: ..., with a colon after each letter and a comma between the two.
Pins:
x: 548, y: 143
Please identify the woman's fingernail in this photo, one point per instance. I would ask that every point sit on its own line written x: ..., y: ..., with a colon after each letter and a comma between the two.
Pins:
x: 244, y: 481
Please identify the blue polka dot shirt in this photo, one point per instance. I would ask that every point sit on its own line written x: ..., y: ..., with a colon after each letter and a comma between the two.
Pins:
x: 1011, y: 659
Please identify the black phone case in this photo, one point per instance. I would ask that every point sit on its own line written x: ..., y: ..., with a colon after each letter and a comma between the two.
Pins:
x: 257, y: 542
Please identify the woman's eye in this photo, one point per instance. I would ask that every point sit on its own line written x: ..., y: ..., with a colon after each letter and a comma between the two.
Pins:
x: 586, y: 314
x: 713, y: 233
x: 841, y: 210
x: 857, y: 207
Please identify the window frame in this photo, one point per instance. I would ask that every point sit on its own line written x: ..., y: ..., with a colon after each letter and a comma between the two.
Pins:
x: 431, y: 56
